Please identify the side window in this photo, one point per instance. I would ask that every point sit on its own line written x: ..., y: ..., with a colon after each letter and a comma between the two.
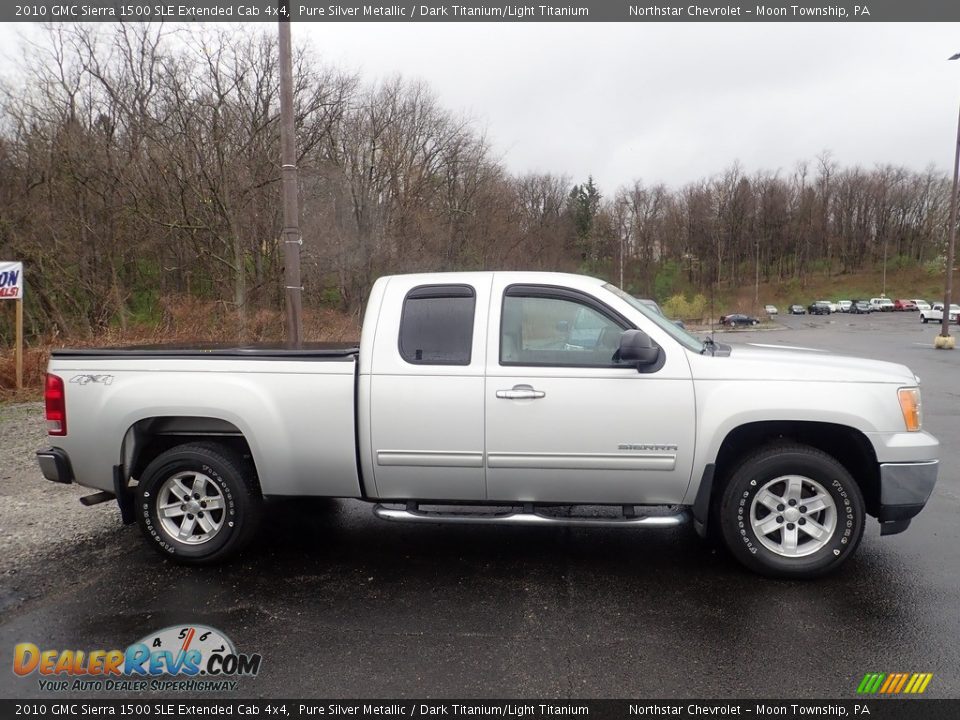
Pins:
x: 436, y: 326
x: 556, y: 331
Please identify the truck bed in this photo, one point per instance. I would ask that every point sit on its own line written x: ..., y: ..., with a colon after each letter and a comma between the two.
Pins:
x: 294, y: 408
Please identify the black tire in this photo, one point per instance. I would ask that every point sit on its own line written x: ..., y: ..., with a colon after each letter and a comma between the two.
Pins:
x: 923, y: 319
x: 233, y: 477
x: 773, y: 462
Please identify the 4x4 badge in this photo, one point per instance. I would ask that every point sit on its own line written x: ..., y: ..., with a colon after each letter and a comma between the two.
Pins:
x: 85, y: 379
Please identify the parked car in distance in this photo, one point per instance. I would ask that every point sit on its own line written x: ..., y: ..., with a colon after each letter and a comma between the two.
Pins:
x: 882, y: 304
x: 844, y: 305
x: 834, y: 307
x: 738, y: 320
x: 771, y: 310
x: 861, y: 307
x: 797, y: 310
x: 652, y: 304
x: 935, y: 313
x: 902, y: 305
x: 921, y: 304
x: 820, y: 307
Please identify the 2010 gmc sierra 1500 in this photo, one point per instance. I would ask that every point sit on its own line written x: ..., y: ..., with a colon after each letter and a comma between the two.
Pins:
x: 514, y: 391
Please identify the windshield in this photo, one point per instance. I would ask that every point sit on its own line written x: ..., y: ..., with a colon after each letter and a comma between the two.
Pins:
x: 682, y: 336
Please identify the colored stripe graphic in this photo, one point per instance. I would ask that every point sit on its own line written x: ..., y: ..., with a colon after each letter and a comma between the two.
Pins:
x: 887, y: 683
x: 903, y: 680
x: 894, y: 683
x: 870, y: 683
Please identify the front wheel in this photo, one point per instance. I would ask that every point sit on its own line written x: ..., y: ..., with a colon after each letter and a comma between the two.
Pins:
x: 792, y: 511
x: 923, y: 319
x: 199, y: 503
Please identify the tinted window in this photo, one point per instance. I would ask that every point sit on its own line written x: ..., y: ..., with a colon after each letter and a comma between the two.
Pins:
x: 556, y: 331
x: 659, y: 319
x: 436, y: 327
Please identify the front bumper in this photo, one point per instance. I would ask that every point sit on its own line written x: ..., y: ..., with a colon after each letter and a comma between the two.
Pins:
x: 55, y: 465
x: 904, y: 490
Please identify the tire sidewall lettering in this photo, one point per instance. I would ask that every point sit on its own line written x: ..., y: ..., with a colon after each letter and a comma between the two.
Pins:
x: 743, y: 520
x: 148, y: 497
x: 807, y: 462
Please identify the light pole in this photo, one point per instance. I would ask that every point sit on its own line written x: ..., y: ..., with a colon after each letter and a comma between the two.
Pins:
x: 945, y: 325
x: 883, y: 293
x: 756, y: 286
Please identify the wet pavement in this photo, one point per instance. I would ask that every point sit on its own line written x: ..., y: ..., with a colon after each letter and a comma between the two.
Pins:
x: 340, y: 604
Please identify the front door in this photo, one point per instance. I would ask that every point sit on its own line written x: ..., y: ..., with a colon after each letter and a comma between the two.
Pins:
x: 565, y: 422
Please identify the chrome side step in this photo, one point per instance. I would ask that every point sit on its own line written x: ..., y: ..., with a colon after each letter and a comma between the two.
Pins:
x: 413, y: 514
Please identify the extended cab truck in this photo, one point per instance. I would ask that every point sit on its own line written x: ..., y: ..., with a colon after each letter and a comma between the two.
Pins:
x: 516, y: 391
x: 935, y: 313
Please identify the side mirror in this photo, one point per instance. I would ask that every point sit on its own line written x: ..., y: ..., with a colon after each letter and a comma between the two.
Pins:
x: 637, y: 347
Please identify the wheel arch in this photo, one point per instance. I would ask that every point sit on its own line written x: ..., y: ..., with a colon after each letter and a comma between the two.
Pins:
x: 848, y: 445
x: 148, y: 437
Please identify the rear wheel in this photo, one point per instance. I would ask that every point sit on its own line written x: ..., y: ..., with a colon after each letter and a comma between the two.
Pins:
x: 791, y: 511
x: 199, y: 503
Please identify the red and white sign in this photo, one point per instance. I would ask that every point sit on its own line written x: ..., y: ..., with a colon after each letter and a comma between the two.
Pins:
x: 11, y: 280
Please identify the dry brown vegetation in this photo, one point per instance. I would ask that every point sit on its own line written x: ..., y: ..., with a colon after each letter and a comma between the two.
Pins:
x: 139, y: 183
x: 183, y: 322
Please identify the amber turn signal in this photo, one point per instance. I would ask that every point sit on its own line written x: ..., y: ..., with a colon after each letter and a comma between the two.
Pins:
x: 910, y: 407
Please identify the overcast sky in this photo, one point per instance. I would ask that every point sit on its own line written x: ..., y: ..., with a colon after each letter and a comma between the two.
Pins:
x: 673, y: 102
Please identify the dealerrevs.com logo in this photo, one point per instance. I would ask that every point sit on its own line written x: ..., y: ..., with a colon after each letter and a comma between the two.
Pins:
x: 190, y: 658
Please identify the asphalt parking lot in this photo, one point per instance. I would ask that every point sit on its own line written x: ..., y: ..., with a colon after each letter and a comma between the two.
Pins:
x: 342, y: 605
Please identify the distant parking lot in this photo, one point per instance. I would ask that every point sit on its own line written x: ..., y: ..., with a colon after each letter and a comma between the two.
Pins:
x: 340, y: 604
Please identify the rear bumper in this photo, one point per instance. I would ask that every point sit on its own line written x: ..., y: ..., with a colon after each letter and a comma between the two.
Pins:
x: 904, y: 491
x: 55, y: 465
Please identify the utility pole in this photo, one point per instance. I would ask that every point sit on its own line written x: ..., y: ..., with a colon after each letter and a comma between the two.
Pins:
x: 948, y: 292
x: 288, y: 171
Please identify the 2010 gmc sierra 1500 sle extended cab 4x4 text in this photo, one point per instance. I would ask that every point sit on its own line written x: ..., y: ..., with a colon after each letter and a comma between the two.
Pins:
x: 517, y: 392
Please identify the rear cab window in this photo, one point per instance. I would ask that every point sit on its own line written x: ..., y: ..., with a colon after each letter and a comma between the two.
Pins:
x: 436, y: 325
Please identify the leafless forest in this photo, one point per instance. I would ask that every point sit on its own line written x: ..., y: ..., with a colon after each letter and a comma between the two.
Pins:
x: 139, y: 168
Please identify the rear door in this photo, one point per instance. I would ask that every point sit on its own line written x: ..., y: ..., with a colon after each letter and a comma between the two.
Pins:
x: 426, y: 389
x: 565, y: 422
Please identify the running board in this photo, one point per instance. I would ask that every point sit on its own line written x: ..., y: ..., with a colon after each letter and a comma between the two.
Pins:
x: 414, y: 515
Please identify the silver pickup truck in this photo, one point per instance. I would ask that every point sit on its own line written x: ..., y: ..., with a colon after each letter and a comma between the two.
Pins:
x: 495, y: 398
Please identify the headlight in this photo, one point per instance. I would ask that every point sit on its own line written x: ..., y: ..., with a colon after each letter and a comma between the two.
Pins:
x: 910, y: 407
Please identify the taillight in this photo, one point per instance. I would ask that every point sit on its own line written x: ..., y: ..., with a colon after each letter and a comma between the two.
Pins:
x: 56, y: 403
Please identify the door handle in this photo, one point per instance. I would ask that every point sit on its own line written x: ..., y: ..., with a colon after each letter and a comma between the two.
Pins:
x: 521, y: 392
